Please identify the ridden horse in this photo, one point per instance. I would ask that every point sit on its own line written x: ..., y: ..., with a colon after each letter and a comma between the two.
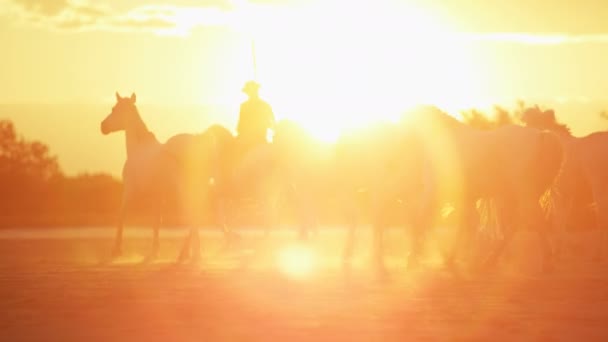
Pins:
x: 583, y: 180
x: 177, y: 171
x: 512, y: 165
x: 266, y: 173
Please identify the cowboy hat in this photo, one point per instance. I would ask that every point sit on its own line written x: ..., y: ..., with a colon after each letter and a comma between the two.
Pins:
x: 251, y: 86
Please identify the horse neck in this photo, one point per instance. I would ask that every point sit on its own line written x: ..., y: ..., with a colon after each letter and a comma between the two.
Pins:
x: 137, y: 134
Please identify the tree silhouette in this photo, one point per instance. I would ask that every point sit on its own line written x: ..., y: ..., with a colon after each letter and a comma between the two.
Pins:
x: 544, y: 119
x: 26, y: 171
x: 24, y: 160
x: 481, y: 120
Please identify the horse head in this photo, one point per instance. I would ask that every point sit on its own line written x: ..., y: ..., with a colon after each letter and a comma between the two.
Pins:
x: 123, y: 113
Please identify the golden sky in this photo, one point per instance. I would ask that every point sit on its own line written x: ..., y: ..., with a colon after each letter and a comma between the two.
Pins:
x: 347, y: 60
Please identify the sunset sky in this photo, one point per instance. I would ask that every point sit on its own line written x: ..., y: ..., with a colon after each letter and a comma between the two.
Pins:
x: 320, y: 62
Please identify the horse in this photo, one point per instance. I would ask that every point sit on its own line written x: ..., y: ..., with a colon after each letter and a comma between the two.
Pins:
x: 582, y: 180
x: 178, y: 171
x: 371, y: 163
x: 267, y: 173
x: 513, y: 165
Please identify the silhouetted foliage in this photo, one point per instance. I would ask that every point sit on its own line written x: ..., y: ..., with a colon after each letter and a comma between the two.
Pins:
x: 544, y: 119
x: 21, y: 159
x: 26, y: 171
x: 523, y: 115
x: 34, y: 191
x: 499, y: 117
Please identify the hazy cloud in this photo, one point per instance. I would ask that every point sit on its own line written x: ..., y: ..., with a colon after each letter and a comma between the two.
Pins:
x: 44, y: 7
x: 76, y: 15
x: 82, y: 15
x: 538, y: 39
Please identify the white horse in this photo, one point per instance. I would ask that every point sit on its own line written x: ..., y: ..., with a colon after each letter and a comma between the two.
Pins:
x: 265, y: 174
x: 512, y: 165
x: 178, y: 171
x: 373, y: 162
x: 583, y: 179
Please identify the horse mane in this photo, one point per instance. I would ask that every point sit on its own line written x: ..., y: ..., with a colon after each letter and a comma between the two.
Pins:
x: 484, y: 121
x: 143, y: 134
x: 544, y: 119
x: 147, y: 136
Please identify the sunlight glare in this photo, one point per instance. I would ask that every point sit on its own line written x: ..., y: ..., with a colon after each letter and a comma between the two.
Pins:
x: 358, y: 63
x: 297, y: 261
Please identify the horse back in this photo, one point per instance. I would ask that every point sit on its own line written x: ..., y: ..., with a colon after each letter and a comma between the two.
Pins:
x: 593, y: 154
x: 525, y: 158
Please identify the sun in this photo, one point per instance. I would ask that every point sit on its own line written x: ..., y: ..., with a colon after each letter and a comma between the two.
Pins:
x: 333, y: 67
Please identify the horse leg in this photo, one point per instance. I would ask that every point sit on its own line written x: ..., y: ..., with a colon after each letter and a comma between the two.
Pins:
x: 117, y: 249
x: 184, y: 253
x: 380, y: 201
x: 262, y: 203
x: 601, y: 204
x: 422, y: 223
x: 155, y: 237
x: 308, y: 216
x: 351, y: 217
x: 221, y: 218
x: 560, y: 213
x: 507, y: 216
x: 495, y: 254
x: 378, y: 247
x: 196, y: 244
x: 465, y: 230
x: 543, y: 225
x: 184, y: 205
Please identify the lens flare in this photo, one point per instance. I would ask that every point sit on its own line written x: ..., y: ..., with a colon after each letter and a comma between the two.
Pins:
x: 297, y: 261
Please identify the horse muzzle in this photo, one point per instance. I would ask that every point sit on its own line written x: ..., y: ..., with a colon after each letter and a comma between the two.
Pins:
x: 105, y: 130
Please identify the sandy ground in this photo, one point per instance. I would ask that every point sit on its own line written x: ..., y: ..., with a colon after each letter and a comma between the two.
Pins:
x: 60, y: 288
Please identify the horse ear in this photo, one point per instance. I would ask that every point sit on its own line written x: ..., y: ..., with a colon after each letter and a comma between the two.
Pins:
x: 117, y: 96
x: 550, y: 114
x: 133, y: 97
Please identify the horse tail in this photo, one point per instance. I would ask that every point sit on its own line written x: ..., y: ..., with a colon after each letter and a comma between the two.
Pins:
x: 548, y: 163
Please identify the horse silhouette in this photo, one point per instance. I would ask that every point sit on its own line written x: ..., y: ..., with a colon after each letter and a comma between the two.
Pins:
x: 268, y: 174
x: 582, y: 180
x: 178, y: 171
x: 512, y: 165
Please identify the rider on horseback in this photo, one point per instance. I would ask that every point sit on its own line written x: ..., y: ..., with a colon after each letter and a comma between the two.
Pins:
x: 255, y: 118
